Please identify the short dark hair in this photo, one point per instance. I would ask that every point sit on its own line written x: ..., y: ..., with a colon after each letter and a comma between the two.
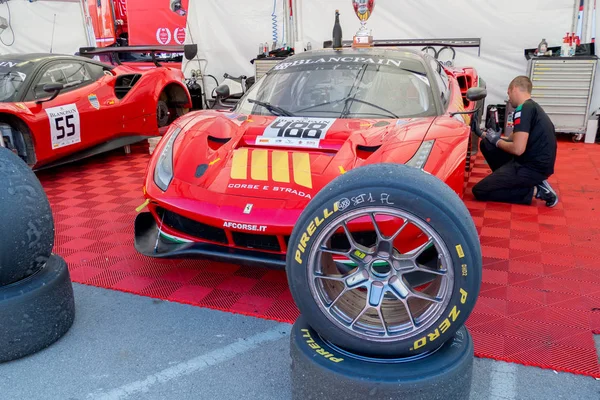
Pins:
x: 522, y: 82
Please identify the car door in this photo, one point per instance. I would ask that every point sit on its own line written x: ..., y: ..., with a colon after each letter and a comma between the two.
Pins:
x: 75, y: 119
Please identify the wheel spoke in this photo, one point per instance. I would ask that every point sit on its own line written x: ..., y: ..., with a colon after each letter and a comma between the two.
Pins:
x: 376, y: 292
x: 399, y: 288
x: 422, y: 268
x: 377, y: 231
x: 383, y: 323
x: 423, y: 296
x: 399, y: 231
x: 355, y: 320
x: 419, y: 250
x: 334, y: 252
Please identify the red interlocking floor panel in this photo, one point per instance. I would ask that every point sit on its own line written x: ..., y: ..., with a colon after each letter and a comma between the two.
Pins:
x: 540, y: 298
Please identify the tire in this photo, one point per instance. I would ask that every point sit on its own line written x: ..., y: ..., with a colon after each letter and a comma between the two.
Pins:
x: 36, y: 311
x: 440, y: 213
x: 27, y: 228
x: 322, y: 371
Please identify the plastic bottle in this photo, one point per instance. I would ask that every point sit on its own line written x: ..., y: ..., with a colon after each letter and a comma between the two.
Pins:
x: 337, y: 31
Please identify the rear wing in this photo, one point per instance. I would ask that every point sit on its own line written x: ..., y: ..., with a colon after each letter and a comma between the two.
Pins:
x: 451, y: 43
x: 189, y: 51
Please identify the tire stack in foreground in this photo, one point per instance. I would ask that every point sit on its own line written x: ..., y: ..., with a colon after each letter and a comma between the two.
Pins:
x: 36, y: 295
x: 383, y: 308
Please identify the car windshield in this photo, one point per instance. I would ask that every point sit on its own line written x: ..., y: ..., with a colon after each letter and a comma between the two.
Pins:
x: 10, y: 85
x: 341, y: 90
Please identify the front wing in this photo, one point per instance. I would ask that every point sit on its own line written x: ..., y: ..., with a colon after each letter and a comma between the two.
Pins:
x: 149, y: 242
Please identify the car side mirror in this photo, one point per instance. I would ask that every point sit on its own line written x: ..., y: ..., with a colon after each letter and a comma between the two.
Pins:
x: 53, y: 88
x: 222, y: 91
x: 190, y: 51
x: 476, y: 93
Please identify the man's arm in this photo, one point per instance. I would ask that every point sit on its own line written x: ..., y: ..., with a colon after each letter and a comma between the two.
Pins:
x: 518, y: 144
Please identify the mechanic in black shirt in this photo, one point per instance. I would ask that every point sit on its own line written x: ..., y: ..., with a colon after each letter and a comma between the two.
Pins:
x: 521, y: 163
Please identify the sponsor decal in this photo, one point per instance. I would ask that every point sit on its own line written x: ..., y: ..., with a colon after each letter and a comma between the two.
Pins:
x: 163, y: 35
x: 318, y: 349
x: 248, y: 208
x: 65, y: 128
x: 244, y: 227
x: 296, y: 132
x: 9, y: 64
x: 518, y: 115
x: 279, y: 189
x: 179, y: 35
x: 110, y: 102
x: 328, y: 60
x: 21, y: 106
x: 94, y: 101
x: 281, y: 169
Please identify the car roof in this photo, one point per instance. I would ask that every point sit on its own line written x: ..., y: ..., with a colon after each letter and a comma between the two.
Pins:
x: 36, y: 58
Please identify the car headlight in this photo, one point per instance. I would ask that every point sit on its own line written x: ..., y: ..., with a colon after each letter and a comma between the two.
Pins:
x: 421, y: 156
x: 163, y: 172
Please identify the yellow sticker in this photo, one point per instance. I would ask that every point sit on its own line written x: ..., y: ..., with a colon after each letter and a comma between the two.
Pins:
x: 140, y: 208
x: 360, y: 254
x: 460, y: 251
x: 21, y: 106
x: 214, y: 162
x: 342, y: 170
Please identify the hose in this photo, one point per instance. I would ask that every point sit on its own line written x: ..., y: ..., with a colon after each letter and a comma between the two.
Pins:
x: 274, y: 22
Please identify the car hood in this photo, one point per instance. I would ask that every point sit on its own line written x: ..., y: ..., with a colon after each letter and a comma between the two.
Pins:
x: 222, y: 152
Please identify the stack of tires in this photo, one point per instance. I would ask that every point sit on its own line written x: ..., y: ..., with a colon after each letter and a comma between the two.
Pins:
x: 367, y: 327
x: 36, y: 294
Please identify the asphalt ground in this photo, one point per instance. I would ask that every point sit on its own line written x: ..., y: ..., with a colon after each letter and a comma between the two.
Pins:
x: 123, y: 346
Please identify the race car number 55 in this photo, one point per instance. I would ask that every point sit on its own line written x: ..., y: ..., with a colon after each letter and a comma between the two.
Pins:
x: 65, y: 127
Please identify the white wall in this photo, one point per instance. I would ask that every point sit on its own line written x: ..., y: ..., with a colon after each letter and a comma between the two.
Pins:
x: 228, y: 32
x: 32, y: 24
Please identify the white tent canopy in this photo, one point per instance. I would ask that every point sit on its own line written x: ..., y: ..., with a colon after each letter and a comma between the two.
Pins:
x: 43, y: 26
x: 228, y: 33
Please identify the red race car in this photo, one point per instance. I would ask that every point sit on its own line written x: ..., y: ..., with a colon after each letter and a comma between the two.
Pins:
x: 230, y: 185
x: 56, y: 109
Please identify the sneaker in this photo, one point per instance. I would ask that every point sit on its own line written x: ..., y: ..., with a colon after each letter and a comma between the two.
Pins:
x: 546, y: 193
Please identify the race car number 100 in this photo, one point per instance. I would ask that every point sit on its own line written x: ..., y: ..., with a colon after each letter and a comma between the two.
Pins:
x: 296, y: 131
x: 64, y: 125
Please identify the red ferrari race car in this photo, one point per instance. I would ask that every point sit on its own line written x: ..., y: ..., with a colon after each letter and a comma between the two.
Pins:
x: 231, y: 185
x: 56, y: 109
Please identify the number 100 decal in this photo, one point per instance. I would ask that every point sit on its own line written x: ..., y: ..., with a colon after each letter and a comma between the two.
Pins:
x: 65, y: 127
x: 305, y: 132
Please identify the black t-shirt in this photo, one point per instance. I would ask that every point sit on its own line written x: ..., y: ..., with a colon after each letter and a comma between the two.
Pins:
x: 540, y: 153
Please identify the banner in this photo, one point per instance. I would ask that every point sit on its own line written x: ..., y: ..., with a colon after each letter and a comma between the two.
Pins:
x: 157, y: 22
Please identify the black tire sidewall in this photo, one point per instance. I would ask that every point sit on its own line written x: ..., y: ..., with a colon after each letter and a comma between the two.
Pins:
x: 430, y: 199
x: 36, y: 311
x: 448, y: 367
x: 27, y: 225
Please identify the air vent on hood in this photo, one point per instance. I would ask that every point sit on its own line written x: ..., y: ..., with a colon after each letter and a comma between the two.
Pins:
x: 215, y: 143
x: 365, y: 152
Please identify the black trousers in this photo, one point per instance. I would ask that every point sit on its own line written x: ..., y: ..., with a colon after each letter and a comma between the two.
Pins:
x: 509, y: 181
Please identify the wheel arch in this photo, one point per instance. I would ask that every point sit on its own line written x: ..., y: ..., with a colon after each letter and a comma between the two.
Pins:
x: 23, y: 128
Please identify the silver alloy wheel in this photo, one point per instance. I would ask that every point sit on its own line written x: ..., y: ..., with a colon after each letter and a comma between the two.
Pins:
x: 375, y: 300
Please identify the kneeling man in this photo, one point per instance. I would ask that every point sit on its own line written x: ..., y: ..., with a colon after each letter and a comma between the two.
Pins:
x: 521, y: 163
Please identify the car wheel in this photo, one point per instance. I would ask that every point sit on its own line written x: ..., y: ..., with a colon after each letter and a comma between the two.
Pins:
x: 27, y: 228
x: 36, y: 311
x: 162, y: 113
x: 385, y: 261
x: 321, y: 370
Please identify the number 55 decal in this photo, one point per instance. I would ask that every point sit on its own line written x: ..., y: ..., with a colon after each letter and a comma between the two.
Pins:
x: 65, y: 128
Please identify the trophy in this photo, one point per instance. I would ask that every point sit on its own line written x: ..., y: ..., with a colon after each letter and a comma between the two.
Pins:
x: 363, y: 10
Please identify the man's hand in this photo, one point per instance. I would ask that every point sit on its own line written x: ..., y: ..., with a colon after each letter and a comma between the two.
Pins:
x: 492, y: 136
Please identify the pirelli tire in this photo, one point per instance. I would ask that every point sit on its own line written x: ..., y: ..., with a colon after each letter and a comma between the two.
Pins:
x: 362, y: 309
x: 320, y: 370
x: 27, y: 225
x: 36, y: 311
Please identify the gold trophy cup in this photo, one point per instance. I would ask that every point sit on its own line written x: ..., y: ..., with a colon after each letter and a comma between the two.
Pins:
x: 363, y: 10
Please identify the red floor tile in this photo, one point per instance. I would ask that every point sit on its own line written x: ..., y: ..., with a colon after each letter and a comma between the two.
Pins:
x: 540, y: 293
